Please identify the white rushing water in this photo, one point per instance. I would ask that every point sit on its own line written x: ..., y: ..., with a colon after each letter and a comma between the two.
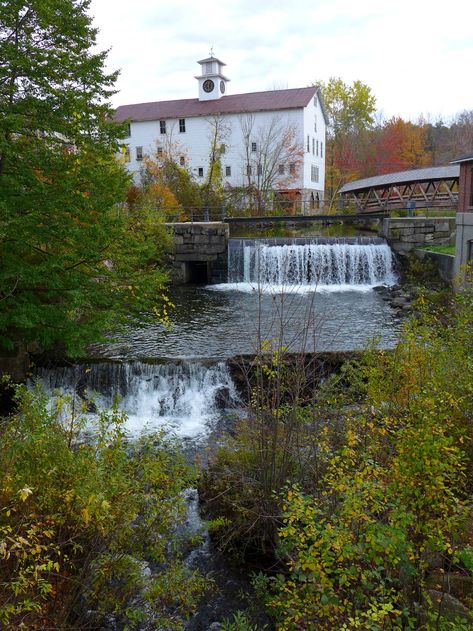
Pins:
x: 185, y: 398
x: 337, y: 265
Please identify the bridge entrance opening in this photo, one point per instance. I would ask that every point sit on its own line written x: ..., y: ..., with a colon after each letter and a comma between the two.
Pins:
x: 197, y: 272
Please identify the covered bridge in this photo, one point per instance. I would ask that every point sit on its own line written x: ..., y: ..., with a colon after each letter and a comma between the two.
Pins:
x: 435, y: 187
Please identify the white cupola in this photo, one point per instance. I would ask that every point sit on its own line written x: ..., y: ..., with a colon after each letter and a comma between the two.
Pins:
x: 212, y: 83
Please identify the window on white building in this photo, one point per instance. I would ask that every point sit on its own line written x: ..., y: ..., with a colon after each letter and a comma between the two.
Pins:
x: 208, y: 68
x: 139, y: 153
x: 292, y: 168
x: 254, y: 146
x: 314, y: 173
x: 248, y: 169
x: 129, y: 129
x: 317, y: 148
x: 315, y: 101
x: 162, y: 127
x: 321, y: 149
x: 200, y: 171
x: 260, y: 169
x: 308, y: 144
x: 127, y: 154
x: 313, y: 146
x: 223, y: 148
x: 182, y: 125
x: 159, y: 152
x: 281, y: 169
x: 315, y: 123
x: 228, y: 171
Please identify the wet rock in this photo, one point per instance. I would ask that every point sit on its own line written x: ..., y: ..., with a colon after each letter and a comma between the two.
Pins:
x: 399, y: 301
x: 434, y: 559
x: 456, y: 584
x: 215, y: 626
x: 222, y: 398
x: 109, y: 624
x: 447, y: 605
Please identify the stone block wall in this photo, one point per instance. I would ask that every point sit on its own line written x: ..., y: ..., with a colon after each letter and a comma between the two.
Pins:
x: 445, y: 263
x: 464, y: 245
x: 200, y: 252
x: 405, y: 234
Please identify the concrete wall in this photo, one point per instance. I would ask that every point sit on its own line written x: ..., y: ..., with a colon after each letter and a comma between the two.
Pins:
x: 445, y: 263
x: 405, y: 234
x: 200, y: 252
x: 464, y: 243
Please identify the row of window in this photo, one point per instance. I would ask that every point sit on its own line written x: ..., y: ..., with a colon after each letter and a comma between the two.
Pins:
x: 182, y: 161
x: 259, y: 170
x: 182, y: 126
x: 317, y: 147
x: 182, y: 129
x: 314, y: 173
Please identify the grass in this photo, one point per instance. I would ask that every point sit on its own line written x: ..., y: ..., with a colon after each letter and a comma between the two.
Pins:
x: 440, y: 249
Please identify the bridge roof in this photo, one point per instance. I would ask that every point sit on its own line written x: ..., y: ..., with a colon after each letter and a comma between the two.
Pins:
x: 402, y: 177
x: 466, y: 158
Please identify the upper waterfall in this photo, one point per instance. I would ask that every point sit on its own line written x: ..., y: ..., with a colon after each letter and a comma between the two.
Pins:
x: 311, y: 263
x: 182, y: 397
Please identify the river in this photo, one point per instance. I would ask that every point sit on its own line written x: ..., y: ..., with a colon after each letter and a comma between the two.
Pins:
x: 307, y: 295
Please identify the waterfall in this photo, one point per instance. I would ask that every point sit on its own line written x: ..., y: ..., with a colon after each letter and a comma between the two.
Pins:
x: 348, y: 263
x: 183, y: 397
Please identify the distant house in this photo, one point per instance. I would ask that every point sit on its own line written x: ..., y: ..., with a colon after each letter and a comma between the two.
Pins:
x: 464, y: 221
x: 265, y: 140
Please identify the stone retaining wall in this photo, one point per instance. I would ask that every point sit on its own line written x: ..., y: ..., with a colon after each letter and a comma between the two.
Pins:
x: 199, y: 252
x: 405, y: 234
x: 445, y: 263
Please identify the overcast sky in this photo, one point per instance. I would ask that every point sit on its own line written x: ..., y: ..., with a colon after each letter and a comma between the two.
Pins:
x: 412, y: 53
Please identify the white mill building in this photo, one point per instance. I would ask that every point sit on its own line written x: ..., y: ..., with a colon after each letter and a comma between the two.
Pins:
x: 272, y: 140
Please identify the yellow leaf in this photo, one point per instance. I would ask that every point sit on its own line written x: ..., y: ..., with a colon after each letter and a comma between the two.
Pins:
x: 24, y: 493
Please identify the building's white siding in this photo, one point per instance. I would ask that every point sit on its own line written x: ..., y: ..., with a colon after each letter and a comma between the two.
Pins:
x: 314, y: 146
x: 194, y: 145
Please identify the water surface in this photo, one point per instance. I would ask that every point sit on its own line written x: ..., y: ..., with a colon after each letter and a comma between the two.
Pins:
x: 219, y: 322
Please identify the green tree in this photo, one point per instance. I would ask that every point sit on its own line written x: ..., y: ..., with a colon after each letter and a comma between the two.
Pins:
x: 350, y: 110
x: 71, y: 264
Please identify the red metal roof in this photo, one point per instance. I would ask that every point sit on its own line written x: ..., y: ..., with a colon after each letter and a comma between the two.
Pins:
x: 233, y: 104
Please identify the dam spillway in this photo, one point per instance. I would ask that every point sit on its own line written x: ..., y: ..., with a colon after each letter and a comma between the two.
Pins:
x: 317, y: 263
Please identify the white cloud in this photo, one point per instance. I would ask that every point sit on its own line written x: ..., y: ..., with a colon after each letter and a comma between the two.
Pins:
x: 412, y: 53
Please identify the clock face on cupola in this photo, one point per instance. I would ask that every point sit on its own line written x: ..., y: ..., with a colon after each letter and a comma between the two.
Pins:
x: 212, y: 82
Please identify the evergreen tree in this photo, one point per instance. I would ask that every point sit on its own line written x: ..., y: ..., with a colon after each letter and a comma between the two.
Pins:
x: 73, y: 262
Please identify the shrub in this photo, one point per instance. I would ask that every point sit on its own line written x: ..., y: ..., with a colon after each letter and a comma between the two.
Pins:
x: 378, y: 470
x: 80, y: 520
x: 397, y: 491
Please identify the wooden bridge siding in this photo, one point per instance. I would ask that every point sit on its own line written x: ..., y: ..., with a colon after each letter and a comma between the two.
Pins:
x: 390, y: 197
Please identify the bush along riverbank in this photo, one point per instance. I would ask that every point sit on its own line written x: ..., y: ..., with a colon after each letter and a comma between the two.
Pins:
x: 87, y: 528
x: 344, y: 490
x: 356, y: 500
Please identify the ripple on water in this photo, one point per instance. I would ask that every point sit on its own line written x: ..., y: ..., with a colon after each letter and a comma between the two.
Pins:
x: 210, y: 323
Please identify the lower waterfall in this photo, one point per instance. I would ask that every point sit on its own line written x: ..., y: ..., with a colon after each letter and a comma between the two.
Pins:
x: 182, y: 397
x: 311, y: 264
